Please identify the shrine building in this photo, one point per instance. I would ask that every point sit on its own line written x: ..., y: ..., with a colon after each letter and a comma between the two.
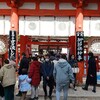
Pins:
x: 32, y: 26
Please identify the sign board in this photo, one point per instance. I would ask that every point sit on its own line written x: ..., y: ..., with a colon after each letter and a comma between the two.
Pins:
x: 12, y: 44
x: 80, y: 45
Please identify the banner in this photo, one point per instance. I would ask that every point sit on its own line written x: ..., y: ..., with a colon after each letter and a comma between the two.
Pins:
x: 80, y: 46
x: 12, y: 44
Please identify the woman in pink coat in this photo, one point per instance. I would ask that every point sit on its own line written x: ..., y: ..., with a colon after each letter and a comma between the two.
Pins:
x: 34, y: 74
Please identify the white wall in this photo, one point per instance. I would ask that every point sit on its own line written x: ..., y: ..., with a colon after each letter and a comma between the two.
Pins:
x: 46, y: 26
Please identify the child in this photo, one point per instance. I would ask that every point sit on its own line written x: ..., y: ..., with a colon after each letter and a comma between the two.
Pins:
x: 24, y: 83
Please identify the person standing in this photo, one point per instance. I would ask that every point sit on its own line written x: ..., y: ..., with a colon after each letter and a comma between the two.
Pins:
x: 62, y: 75
x: 91, y: 74
x: 24, y: 63
x: 24, y: 83
x: 30, y: 59
x: 8, y: 78
x: 35, y: 75
x: 47, y: 72
x: 74, y: 65
x: 56, y: 59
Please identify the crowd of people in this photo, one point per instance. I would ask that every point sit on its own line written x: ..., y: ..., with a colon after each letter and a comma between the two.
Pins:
x: 55, y: 71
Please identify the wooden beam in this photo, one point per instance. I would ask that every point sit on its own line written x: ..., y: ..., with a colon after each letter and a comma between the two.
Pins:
x: 27, y: 12
x: 56, y: 12
x: 49, y: 0
x: 47, y: 12
x: 48, y: 43
x: 5, y: 12
x: 91, y: 13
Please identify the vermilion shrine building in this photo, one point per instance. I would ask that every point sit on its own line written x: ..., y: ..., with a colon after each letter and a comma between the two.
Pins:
x: 50, y: 25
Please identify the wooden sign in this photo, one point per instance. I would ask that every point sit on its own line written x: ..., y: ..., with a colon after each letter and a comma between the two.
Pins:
x: 80, y: 46
x: 12, y: 44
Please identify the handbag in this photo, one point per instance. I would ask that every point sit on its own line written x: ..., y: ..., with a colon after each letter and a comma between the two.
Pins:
x: 75, y: 70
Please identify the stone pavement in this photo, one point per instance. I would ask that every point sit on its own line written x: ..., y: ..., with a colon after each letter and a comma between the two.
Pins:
x: 72, y: 95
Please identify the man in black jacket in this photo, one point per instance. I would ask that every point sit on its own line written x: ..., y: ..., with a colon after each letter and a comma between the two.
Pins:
x: 91, y: 74
x: 47, y: 72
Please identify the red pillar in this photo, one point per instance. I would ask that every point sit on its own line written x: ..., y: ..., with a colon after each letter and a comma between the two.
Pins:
x: 6, y: 55
x: 23, y: 43
x: 28, y: 50
x: 72, y: 44
x: 14, y: 19
x: 79, y: 27
x: 15, y: 26
x: 79, y: 19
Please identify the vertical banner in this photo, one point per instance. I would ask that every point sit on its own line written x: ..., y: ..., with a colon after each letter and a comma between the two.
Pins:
x: 80, y: 46
x: 12, y: 44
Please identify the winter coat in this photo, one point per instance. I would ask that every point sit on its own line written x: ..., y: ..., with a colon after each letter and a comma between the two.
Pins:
x: 34, y: 73
x: 91, y: 71
x: 63, y: 72
x: 14, y: 64
x: 55, y: 62
x: 47, y: 68
x: 24, y: 63
x: 7, y: 75
x: 74, y: 65
x: 24, y: 83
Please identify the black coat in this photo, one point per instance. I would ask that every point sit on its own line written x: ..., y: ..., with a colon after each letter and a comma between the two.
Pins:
x: 91, y: 71
x: 24, y: 63
x: 47, y: 70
